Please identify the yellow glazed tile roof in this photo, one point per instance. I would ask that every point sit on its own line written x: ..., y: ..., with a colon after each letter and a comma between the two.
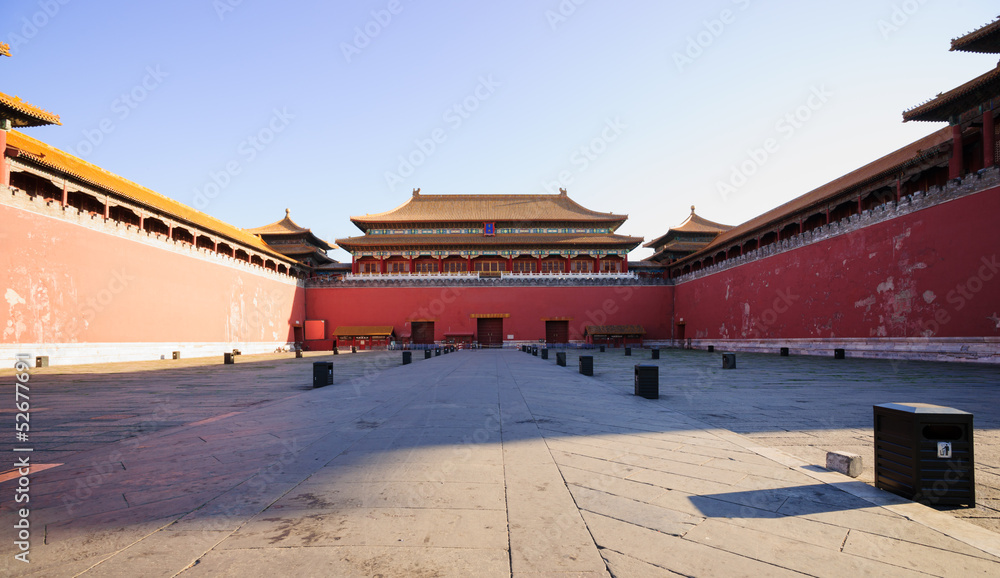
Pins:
x: 21, y: 113
x: 488, y: 208
x: 363, y: 330
x: 498, y: 241
x: 58, y: 160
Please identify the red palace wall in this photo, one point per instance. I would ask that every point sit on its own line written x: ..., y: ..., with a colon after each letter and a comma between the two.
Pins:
x: 69, y: 287
x: 925, y: 278
x: 451, y: 307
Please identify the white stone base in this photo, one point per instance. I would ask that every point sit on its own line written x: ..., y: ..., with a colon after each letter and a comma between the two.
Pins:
x: 967, y: 349
x: 82, y: 353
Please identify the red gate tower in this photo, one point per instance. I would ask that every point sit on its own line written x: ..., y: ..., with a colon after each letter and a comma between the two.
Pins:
x: 15, y: 113
x: 489, y: 236
x: 968, y: 109
x: 295, y: 242
x: 693, y: 234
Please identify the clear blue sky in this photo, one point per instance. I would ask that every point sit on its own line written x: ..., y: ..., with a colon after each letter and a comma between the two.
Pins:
x: 663, y: 97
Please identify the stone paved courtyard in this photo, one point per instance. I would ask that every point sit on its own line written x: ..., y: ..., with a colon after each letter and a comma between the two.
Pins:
x: 486, y: 463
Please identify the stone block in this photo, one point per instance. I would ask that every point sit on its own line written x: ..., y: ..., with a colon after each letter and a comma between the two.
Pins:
x: 846, y: 463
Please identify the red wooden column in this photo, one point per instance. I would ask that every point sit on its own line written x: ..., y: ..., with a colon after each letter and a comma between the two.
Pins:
x: 899, y: 190
x: 142, y: 217
x: 354, y: 265
x: 625, y: 264
x: 107, y: 208
x: 65, y: 198
x: 440, y: 264
x: 539, y: 270
x: 568, y: 265
x: 383, y: 266
x: 989, y: 139
x: 411, y: 266
x: 4, y: 173
x: 510, y: 264
x: 468, y: 261
x: 597, y: 264
x: 955, y: 166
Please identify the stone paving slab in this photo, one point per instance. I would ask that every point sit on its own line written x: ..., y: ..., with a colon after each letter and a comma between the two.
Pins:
x: 479, y: 463
x: 807, y: 405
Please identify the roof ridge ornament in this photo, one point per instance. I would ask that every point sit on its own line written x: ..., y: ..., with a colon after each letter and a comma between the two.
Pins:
x: 416, y: 192
x: 562, y: 192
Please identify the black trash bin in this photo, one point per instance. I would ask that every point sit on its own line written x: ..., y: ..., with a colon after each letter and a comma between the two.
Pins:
x: 437, y: 353
x: 228, y: 359
x: 924, y: 452
x: 407, y: 357
x: 655, y: 353
x: 427, y: 354
x: 42, y: 361
x: 647, y: 381
x: 839, y: 354
x: 602, y: 349
x: 728, y: 361
x: 545, y: 353
x: 711, y: 349
x: 628, y: 351
x: 322, y: 373
x: 587, y: 365
x: 784, y: 352
x: 534, y: 351
x: 177, y: 355
x: 561, y: 358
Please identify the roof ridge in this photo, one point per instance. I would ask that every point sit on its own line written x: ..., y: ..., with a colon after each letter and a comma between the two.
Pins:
x: 30, y: 110
x: 475, y: 207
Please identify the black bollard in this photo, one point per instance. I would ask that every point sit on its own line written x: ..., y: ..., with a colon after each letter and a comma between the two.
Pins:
x: 647, y: 381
